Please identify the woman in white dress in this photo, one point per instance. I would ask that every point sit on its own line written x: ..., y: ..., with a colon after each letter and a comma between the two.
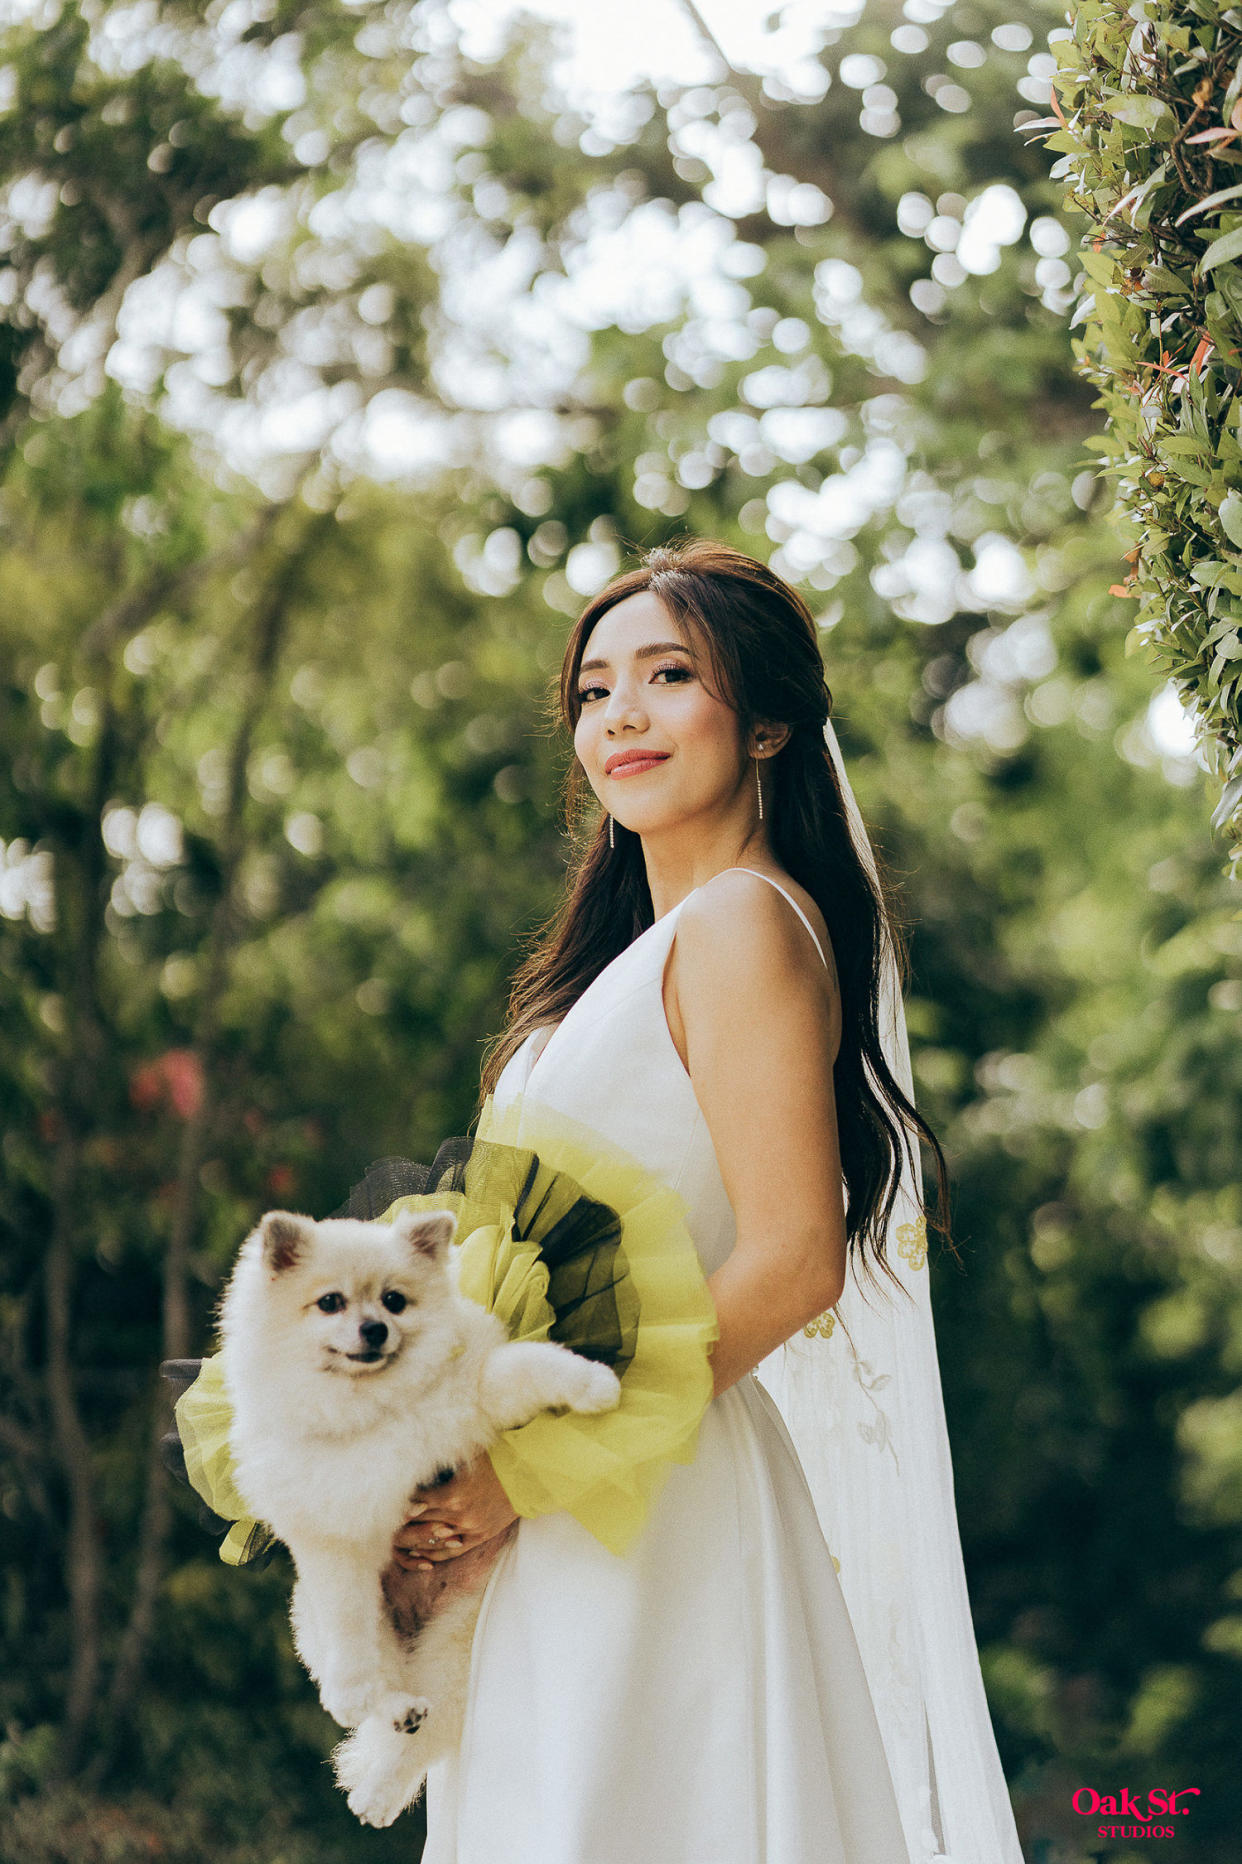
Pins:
x: 707, y: 1001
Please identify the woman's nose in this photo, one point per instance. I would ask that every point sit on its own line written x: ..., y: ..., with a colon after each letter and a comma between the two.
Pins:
x: 621, y: 705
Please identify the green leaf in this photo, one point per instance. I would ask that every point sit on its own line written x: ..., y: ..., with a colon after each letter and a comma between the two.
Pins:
x: 1183, y: 446
x: 1228, y: 246
x: 1213, y: 200
x: 1160, y: 278
x: 1231, y: 518
x: 1140, y: 112
x: 1101, y: 266
x: 1231, y: 799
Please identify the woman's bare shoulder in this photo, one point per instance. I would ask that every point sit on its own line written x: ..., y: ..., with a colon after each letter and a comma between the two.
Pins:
x: 741, y: 899
x: 734, y: 932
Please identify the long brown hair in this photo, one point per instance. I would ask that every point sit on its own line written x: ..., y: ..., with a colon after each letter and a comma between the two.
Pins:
x: 762, y: 644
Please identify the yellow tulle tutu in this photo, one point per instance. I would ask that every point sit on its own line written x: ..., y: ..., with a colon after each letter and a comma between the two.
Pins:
x: 566, y: 1238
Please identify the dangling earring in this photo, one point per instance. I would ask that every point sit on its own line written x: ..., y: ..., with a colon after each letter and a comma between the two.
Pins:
x: 759, y: 786
x: 611, y: 842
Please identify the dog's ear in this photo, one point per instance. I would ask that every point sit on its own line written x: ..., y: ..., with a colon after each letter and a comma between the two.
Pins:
x: 429, y: 1231
x: 285, y: 1236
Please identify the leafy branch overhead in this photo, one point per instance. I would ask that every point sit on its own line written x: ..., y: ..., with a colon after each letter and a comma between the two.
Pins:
x: 1149, y: 125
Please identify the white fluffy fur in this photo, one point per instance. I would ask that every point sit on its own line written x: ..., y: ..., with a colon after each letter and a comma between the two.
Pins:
x: 332, y: 1432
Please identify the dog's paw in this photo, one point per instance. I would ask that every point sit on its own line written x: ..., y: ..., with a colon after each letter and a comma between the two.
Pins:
x: 409, y: 1717
x: 381, y: 1772
x: 593, y: 1387
x: 379, y: 1806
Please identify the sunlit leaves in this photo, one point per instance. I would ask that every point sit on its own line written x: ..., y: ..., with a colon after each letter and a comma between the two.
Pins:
x: 1146, y: 139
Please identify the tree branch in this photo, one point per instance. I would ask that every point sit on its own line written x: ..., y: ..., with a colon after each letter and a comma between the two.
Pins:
x: 79, y: 894
x: 139, y: 606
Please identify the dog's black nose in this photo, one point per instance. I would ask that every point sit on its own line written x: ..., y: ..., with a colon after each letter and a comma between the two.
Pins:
x: 374, y: 1333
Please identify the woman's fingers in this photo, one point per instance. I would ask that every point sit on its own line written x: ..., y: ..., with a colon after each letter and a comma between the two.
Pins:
x: 434, y: 1497
x: 414, y: 1540
x: 427, y: 1533
x: 422, y: 1557
x: 425, y: 1540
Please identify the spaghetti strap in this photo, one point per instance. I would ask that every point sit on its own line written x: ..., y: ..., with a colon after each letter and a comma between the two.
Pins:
x: 789, y: 896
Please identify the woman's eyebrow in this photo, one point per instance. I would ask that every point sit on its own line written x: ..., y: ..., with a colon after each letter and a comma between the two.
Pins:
x: 640, y: 653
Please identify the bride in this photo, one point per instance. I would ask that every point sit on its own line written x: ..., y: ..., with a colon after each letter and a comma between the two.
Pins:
x: 779, y: 1667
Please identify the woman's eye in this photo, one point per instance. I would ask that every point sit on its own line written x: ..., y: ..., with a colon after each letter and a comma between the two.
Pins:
x: 587, y: 693
x: 330, y: 1303
x: 394, y: 1301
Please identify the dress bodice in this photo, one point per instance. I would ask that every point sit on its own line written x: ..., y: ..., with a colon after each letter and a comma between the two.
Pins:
x: 617, y: 1033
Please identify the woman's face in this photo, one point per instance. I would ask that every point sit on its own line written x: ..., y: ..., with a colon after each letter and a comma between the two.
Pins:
x: 642, y: 690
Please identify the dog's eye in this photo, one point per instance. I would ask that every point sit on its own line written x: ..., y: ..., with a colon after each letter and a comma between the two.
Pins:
x: 330, y: 1303
x: 395, y: 1301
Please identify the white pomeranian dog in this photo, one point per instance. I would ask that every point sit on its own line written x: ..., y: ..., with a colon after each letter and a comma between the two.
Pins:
x: 357, y: 1374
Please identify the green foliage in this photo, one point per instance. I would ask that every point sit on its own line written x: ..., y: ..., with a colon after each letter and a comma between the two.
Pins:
x: 1151, y: 130
x: 278, y: 805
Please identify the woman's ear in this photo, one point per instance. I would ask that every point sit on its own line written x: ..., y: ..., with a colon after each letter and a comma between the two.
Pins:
x: 767, y: 739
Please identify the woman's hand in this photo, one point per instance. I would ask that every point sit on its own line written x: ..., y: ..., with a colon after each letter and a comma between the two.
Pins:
x: 453, y: 1517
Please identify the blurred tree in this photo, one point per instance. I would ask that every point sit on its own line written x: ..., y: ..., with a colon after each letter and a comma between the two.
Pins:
x: 314, y: 443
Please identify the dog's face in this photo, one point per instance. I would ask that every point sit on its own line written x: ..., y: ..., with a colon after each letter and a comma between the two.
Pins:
x: 350, y: 1295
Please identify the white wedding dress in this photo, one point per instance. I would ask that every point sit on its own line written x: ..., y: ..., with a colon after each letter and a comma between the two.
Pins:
x: 700, y: 1699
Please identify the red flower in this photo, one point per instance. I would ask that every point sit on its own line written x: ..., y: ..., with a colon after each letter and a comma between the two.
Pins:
x: 173, y: 1079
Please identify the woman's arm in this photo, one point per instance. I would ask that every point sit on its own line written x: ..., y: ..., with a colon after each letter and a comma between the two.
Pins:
x: 757, y: 1020
x: 760, y: 1017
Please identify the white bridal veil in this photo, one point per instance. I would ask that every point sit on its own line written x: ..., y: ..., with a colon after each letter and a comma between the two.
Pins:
x: 863, y: 1405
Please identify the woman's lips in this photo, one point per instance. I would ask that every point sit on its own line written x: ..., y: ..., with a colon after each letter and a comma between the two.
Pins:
x: 634, y: 764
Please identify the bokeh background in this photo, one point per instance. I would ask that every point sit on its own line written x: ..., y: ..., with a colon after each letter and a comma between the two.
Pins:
x: 345, y: 348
